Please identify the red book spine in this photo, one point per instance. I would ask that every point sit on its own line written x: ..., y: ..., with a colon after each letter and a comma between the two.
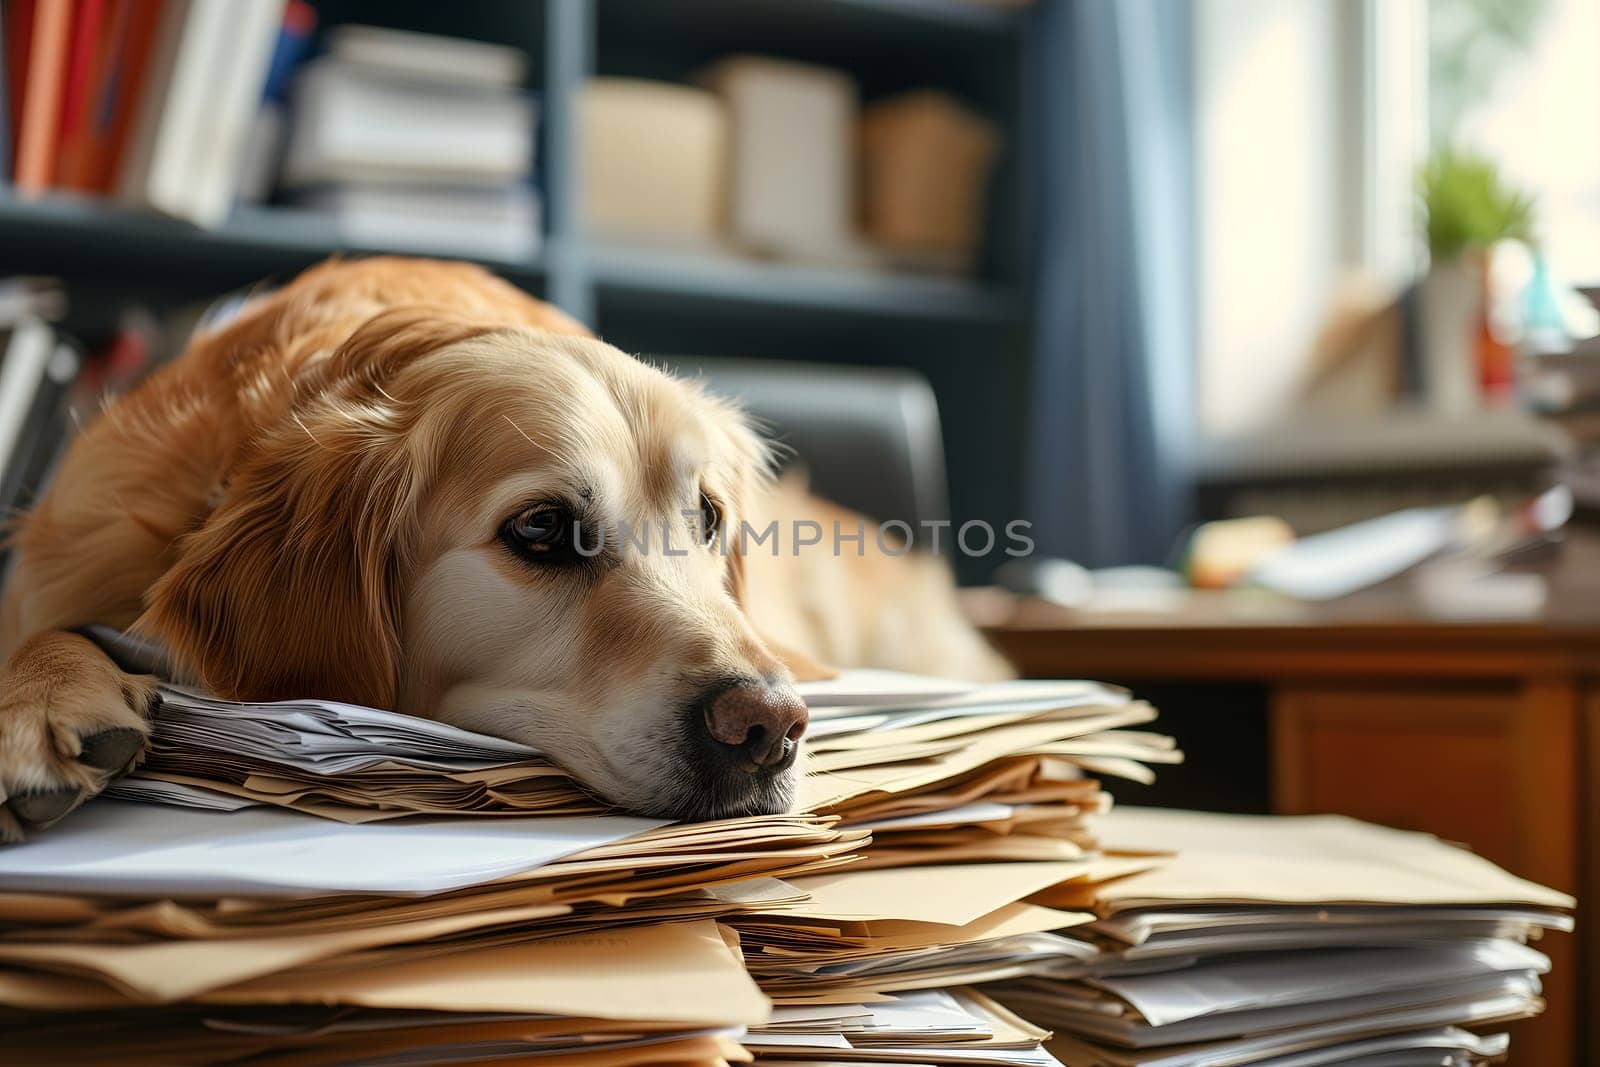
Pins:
x: 85, y: 136
x: 41, y: 96
x: 19, y: 28
x: 75, y: 93
x: 144, y: 17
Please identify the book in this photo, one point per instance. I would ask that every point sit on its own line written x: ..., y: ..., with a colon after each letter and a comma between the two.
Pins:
x: 17, y: 18
x: 41, y: 96
x: 428, y: 57
x: 76, y: 91
x: 356, y: 124
x: 494, y: 222
x: 43, y: 431
x: 263, y: 153
x: 96, y: 41
x: 74, y: 386
x: 206, y: 77
x: 5, y: 102
x: 28, y: 351
x: 123, y: 92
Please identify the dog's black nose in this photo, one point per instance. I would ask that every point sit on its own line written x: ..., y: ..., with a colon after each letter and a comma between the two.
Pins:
x: 755, y: 727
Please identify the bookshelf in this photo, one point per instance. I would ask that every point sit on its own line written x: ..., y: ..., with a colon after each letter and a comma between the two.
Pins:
x: 969, y: 336
x: 84, y: 238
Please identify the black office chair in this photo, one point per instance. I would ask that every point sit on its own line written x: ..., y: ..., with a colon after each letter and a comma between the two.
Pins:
x: 868, y: 438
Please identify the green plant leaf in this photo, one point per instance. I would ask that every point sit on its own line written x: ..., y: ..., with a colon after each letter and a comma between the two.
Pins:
x: 1465, y: 204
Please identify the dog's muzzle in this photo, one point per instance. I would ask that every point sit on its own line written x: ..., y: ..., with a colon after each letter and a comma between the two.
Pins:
x: 752, y: 727
x: 739, y: 741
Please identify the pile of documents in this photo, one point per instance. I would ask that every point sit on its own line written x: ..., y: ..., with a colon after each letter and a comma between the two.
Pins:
x: 341, y: 761
x: 943, y: 772
x: 322, y: 884
x: 1301, y: 941
x: 217, y: 925
x: 173, y: 935
x: 978, y: 801
x: 939, y: 771
x: 671, y: 993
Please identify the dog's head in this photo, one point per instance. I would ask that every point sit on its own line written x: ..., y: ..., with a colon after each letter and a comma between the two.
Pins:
x: 525, y: 534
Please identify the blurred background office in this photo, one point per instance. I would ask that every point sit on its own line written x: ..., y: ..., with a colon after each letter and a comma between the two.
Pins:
x: 1161, y: 261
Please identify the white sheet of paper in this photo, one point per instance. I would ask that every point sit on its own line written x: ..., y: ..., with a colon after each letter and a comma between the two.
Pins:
x: 763, y: 1039
x: 1427, y: 1047
x: 119, y: 847
x: 1089, y: 698
x: 1270, y: 979
x: 976, y: 812
x: 864, y: 688
x: 1448, y: 1004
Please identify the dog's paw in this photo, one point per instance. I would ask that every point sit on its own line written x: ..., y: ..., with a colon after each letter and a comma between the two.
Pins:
x: 64, y: 737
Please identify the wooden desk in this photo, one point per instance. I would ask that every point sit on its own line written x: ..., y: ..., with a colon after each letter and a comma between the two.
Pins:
x: 1483, y: 733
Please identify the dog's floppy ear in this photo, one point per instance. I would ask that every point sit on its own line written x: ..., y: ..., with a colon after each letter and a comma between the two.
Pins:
x: 292, y: 586
x: 290, y: 589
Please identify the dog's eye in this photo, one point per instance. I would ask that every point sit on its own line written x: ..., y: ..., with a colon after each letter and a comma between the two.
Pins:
x: 542, y: 532
x: 710, y: 519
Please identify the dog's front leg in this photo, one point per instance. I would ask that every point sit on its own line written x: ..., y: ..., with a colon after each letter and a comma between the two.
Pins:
x: 71, y: 720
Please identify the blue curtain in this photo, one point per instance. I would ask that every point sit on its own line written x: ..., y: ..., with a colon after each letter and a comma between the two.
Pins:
x: 1112, y: 400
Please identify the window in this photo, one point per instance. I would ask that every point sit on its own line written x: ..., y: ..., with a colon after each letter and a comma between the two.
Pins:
x: 1312, y: 117
x: 1519, y: 80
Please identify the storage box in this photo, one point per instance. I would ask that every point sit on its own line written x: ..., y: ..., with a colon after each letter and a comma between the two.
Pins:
x: 652, y: 160
x: 792, y: 130
x: 926, y: 162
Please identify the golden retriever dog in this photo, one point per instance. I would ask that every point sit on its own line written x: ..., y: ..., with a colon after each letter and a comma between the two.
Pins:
x: 389, y: 483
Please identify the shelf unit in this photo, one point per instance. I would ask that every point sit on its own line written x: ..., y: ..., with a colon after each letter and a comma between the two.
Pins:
x: 86, y: 238
x: 968, y: 336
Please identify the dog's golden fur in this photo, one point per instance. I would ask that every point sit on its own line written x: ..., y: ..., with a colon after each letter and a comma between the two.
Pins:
x: 308, y: 503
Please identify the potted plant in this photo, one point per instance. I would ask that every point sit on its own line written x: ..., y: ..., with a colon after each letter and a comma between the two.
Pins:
x: 1466, y: 208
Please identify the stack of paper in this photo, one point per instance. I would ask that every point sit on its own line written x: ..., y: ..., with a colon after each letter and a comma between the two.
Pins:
x: 195, y: 936
x: 219, y: 927
x: 342, y: 762
x: 1292, y: 941
x: 944, y: 773
x: 861, y: 934
x: 978, y: 801
x: 954, y: 1026
x: 977, y: 797
x: 664, y: 994
x: 939, y: 771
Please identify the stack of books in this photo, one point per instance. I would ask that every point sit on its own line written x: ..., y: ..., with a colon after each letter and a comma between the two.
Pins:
x: 149, y: 101
x: 49, y: 379
x: 1563, y: 388
x: 1309, y: 940
x: 414, y: 142
x: 37, y: 367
